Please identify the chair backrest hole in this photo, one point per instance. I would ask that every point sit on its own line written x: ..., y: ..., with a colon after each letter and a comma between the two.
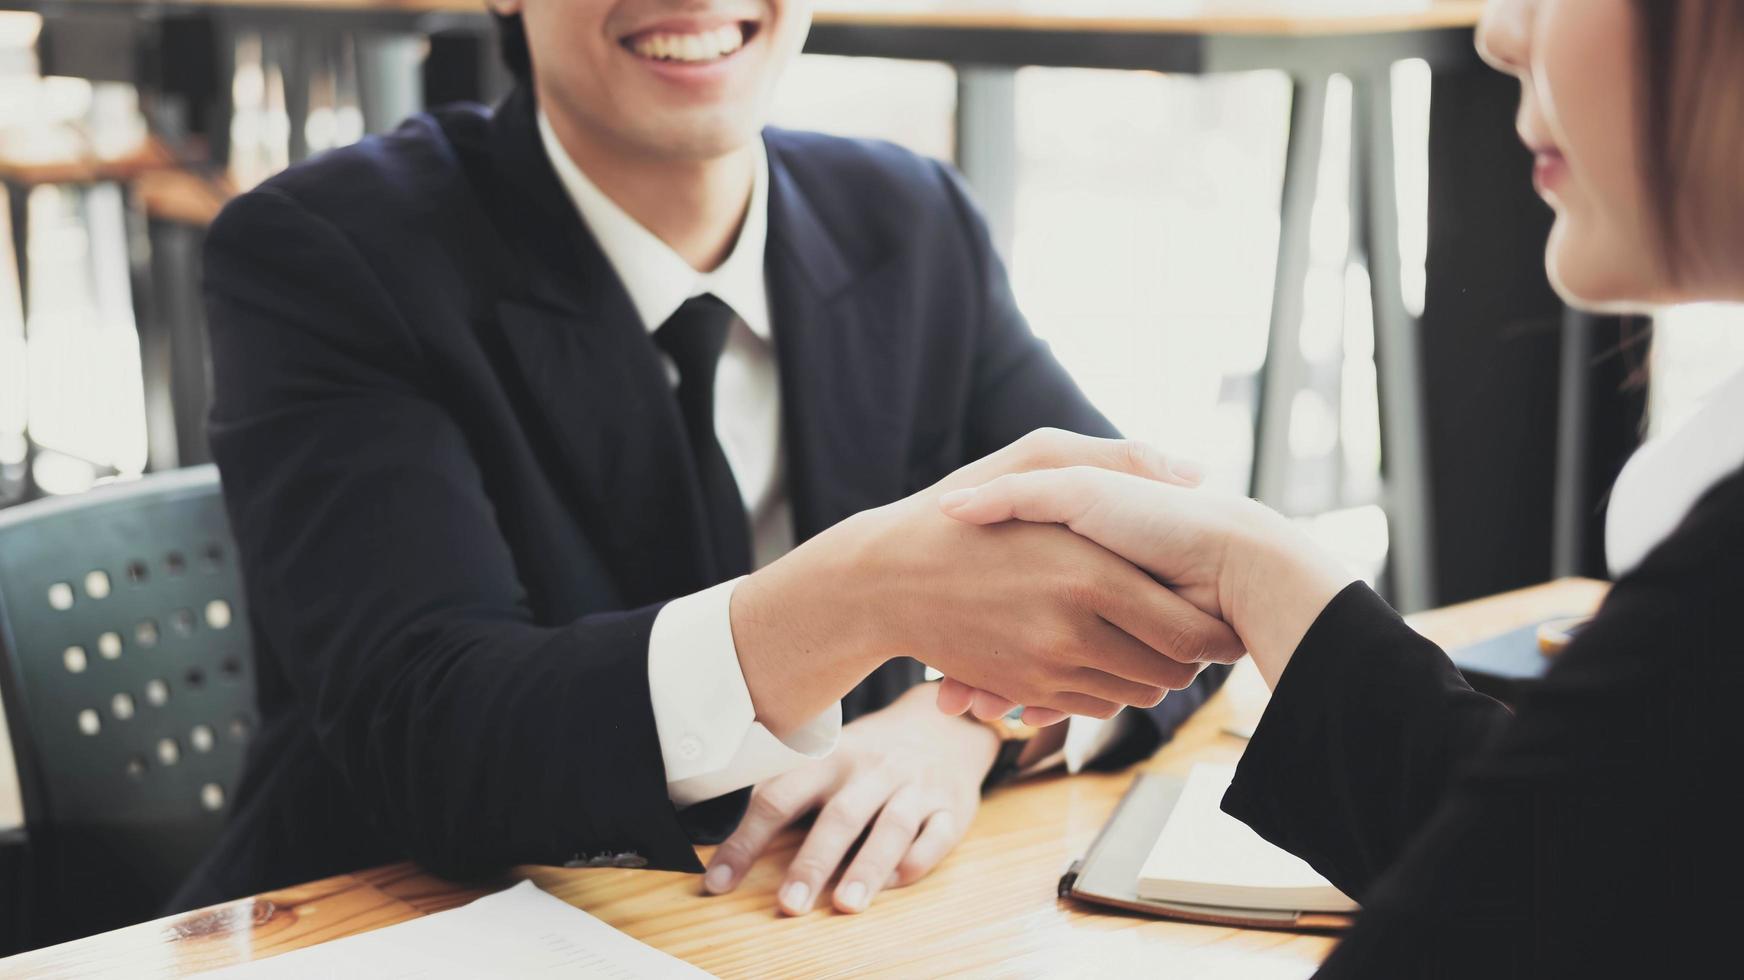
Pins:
x: 60, y: 596
x: 213, y: 555
x: 196, y: 677
x: 157, y: 693
x: 182, y: 621
x: 121, y: 706
x: 212, y: 797
x: 145, y: 634
x: 239, y: 728
x: 175, y: 563
x: 202, y: 738
x: 89, y: 722
x: 218, y: 614
x: 169, y: 751
x: 137, y: 572
x: 109, y: 645
x: 74, y: 659
x: 97, y: 584
x: 136, y: 766
x: 231, y: 667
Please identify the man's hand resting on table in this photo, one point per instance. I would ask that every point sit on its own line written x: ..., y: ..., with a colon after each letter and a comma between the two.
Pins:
x: 906, y: 777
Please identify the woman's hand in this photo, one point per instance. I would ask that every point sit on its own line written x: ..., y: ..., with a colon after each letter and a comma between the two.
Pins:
x: 1032, y: 613
x: 1229, y: 556
x: 910, y: 774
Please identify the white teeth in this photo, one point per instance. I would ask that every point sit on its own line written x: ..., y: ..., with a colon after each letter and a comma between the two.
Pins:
x: 701, y: 46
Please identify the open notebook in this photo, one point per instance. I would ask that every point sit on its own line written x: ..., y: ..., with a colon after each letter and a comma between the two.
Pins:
x: 1207, y: 857
x: 1170, y: 850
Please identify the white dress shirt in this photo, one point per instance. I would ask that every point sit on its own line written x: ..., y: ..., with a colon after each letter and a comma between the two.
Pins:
x: 710, y: 739
x: 1665, y: 477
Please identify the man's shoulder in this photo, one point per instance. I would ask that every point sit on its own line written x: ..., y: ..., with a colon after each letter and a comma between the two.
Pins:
x: 408, y: 181
x: 872, y: 159
x: 862, y: 174
x: 884, y: 195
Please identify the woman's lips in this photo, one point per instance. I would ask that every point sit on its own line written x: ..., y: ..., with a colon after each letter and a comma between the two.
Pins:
x: 1549, y: 170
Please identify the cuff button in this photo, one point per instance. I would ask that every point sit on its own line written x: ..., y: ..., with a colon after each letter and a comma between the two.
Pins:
x: 690, y: 748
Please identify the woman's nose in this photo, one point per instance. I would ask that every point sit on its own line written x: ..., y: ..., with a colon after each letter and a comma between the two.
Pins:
x: 1504, y: 35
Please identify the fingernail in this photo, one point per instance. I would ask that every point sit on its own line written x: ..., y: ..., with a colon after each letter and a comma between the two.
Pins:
x: 1187, y: 471
x: 853, y: 896
x: 796, y: 898
x: 718, y: 879
x: 956, y: 498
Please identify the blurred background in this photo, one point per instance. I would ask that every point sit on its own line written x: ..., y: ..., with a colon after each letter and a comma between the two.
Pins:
x: 1142, y: 212
x: 1142, y: 237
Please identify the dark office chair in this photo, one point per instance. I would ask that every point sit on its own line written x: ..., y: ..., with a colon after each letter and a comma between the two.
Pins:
x: 128, y: 684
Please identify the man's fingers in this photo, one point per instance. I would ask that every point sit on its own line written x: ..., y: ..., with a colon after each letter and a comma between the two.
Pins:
x: 936, y: 839
x: 838, y: 825
x: 1039, y: 497
x: 988, y: 706
x: 1137, y: 667
x: 955, y: 697
x: 1054, y: 448
x: 1074, y: 703
x: 774, y: 805
x: 894, y: 833
x: 1161, y: 620
x: 1036, y: 717
x: 1118, y: 690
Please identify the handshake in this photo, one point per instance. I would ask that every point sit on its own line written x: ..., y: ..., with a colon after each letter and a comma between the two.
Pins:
x: 1069, y: 574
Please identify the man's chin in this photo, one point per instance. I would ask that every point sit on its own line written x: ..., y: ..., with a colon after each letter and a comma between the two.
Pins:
x: 697, y: 139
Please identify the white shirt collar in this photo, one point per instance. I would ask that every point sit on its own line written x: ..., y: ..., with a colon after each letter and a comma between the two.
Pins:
x: 657, y: 279
x: 1666, y: 477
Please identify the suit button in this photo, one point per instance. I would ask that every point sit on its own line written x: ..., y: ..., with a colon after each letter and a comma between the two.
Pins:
x: 630, y: 859
x: 690, y: 748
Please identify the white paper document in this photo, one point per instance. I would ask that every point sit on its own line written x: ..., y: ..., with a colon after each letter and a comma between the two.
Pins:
x: 518, y: 932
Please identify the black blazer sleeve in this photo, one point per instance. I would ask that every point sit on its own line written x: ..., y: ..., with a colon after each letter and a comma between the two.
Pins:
x: 471, y: 735
x: 1590, y: 835
x: 1019, y: 387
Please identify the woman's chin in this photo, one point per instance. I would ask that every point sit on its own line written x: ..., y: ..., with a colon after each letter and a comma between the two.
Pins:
x: 1590, y: 279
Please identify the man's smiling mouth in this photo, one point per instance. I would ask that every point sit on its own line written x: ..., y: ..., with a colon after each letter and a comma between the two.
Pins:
x: 691, y: 46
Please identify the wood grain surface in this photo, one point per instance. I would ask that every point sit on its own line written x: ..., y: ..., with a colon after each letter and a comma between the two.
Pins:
x: 990, y: 909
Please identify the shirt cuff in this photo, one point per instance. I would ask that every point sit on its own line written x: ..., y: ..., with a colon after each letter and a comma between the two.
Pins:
x: 710, y: 740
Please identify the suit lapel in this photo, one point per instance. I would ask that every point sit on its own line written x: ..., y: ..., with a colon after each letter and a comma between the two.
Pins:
x: 846, y: 383
x: 603, y: 411
x: 841, y: 395
x: 610, y: 424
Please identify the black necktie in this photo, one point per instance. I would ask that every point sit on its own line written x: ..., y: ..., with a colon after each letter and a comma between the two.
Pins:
x: 694, y: 338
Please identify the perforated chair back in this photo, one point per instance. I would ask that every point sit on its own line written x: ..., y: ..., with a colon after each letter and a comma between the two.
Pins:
x: 128, y: 682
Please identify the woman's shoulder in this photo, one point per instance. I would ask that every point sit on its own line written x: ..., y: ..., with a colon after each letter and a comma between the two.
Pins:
x: 1676, y: 610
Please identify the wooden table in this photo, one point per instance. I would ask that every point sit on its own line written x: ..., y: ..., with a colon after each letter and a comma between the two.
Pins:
x: 990, y: 909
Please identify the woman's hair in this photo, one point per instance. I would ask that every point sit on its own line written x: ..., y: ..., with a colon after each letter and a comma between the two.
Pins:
x: 1692, y: 105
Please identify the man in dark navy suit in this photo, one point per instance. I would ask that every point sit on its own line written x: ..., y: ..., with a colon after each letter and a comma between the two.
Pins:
x: 521, y: 415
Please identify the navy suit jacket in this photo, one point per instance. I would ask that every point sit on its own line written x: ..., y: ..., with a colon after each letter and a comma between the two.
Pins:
x: 459, y: 486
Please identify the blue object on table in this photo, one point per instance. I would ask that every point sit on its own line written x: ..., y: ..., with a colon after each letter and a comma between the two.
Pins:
x: 1503, y: 666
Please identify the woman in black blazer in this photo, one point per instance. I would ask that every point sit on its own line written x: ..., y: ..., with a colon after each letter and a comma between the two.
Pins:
x: 1597, y: 831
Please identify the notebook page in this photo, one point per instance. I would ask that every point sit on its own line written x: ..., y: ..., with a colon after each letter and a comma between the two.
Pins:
x: 1202, y: 845
x: 520, y: 931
